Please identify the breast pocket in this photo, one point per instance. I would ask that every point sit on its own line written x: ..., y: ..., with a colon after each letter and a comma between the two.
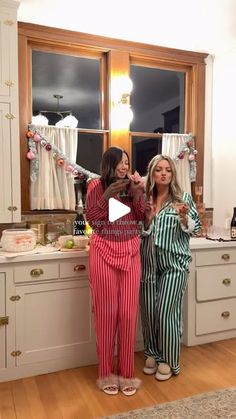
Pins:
x: 167, y: 230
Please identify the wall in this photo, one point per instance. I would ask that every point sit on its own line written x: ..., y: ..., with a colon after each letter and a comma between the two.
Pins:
x: 224, y: 137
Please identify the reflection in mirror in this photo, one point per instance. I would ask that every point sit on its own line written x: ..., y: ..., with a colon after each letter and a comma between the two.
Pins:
x: 162, y: 94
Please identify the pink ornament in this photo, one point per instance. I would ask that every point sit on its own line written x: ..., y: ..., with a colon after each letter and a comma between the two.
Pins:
x: 75, y: 172
x: 30, y: 155
x: 191, y: 157
x: 60, y: 162
x: 37, y: 137
x: 48, y: 147
x: 69, y: 168
x: 43, y: 143
x: 194, y: 151
x: 190, y: 143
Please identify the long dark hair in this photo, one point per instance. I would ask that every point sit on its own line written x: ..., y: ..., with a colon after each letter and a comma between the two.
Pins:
x: 110, y: 159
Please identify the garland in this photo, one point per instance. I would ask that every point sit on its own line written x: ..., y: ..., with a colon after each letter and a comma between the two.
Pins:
x: 187, y: 148
x: 35, y: 137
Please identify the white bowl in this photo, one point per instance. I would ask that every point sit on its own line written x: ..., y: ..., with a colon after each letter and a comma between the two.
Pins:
x: 63, y: 239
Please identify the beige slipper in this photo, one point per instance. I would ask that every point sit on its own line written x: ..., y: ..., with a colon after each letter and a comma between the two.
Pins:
x: 163, y: 368
x: 150, y: 366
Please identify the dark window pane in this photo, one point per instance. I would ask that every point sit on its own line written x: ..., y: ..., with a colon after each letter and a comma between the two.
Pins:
x: 157, y: 100
x: 89, y: 151
x: 77, y: 79
x: 143, y: 149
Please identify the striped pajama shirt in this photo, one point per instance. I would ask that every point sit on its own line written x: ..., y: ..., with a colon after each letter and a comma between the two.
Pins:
x: 114, y: 275
x: 165, y: 256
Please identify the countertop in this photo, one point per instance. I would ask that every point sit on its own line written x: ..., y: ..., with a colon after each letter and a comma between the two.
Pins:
x: 44, y: 253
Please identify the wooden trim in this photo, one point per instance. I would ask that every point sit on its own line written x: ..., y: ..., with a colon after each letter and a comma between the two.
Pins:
x: 116, y: 56
x: 105, y: 44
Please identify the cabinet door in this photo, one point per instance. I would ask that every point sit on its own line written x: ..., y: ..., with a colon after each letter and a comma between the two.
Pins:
x: 5, y: 165
x: 54, y: 321
x: 5, y: 34
x: 2, y: 327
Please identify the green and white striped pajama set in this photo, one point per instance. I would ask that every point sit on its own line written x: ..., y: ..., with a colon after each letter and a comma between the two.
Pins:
x: 165, y: 256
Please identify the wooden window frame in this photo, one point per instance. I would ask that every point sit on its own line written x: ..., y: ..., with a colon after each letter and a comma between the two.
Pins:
x: 120, y: 54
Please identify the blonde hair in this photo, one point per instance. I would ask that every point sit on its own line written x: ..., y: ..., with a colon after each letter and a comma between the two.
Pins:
x: 175, y: 190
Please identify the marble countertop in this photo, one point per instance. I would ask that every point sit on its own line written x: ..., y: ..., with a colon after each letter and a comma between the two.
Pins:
x: 50, y: 253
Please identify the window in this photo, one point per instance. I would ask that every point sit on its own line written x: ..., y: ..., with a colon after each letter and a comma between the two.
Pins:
x: 184, y: 70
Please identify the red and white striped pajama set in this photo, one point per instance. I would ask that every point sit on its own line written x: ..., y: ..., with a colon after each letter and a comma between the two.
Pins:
x: 114, y: 273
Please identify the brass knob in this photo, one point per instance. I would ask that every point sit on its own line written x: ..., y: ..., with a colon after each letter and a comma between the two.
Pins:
x: 225, y: 256
x: 226, y: 281
x: 36, y: 272
x: 79, y: 268
x: 225, y: 314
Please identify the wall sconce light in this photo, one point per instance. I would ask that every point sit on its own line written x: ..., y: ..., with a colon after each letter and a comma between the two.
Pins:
x: 121, y: 114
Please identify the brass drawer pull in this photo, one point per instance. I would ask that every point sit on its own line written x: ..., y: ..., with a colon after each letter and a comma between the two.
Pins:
x: 4, y: 320
x: 225, y: 256
x: 79, y: 268
x: 225, y: 314
x: 15, y: 298
x: 226, y: 281
x: 16, y: 353
x: 36, y: 272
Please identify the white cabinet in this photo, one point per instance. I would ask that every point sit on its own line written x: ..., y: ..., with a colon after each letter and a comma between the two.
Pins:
x: 10, y: 210
x: 54, y: 314
x: 210, y: 300
x: 50, y: 314
x: 3, y: 321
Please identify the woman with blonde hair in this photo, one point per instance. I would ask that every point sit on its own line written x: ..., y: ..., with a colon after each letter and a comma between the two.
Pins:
x: 170, y: 219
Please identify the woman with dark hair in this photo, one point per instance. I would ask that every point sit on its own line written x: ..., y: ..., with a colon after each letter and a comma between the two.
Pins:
x: 115, y: 269
x: 171, y: 217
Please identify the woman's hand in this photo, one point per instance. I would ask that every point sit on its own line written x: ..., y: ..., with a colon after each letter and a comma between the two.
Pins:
x: 150, y: 212
x: 136, y: 185
x: 115, y: 188
x: 182, y: 210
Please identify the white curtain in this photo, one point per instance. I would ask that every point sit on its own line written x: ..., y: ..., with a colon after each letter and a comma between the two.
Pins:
x: 171, y: 146
x: 53, y: 187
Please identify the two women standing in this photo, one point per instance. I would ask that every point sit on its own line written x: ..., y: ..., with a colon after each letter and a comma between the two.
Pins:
x: 169, y: 217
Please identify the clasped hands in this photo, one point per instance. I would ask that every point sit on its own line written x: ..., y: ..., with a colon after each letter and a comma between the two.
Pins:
x: 134, y: 183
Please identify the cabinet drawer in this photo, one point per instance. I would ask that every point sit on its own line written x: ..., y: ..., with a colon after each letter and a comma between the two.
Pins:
x: 215, y: 316
x: 74, y: 268
x: 36, y: 272
x: 216, y: 257
x: 215, y: 282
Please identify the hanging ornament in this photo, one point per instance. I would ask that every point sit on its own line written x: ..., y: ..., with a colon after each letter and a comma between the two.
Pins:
x: 191, y: 157
x: 30, y: 134
x: 75, y: 172
x: 69, y: 168
x: 60, y: 162
x: 30, y: 155
x: 54, y: 155
x: 48, y: 147
x: 43, y: 143
x: 37, y: 137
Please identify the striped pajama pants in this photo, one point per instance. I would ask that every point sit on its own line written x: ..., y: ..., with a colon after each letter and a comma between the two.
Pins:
x: 115, y: 297
x: 163, y: 283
